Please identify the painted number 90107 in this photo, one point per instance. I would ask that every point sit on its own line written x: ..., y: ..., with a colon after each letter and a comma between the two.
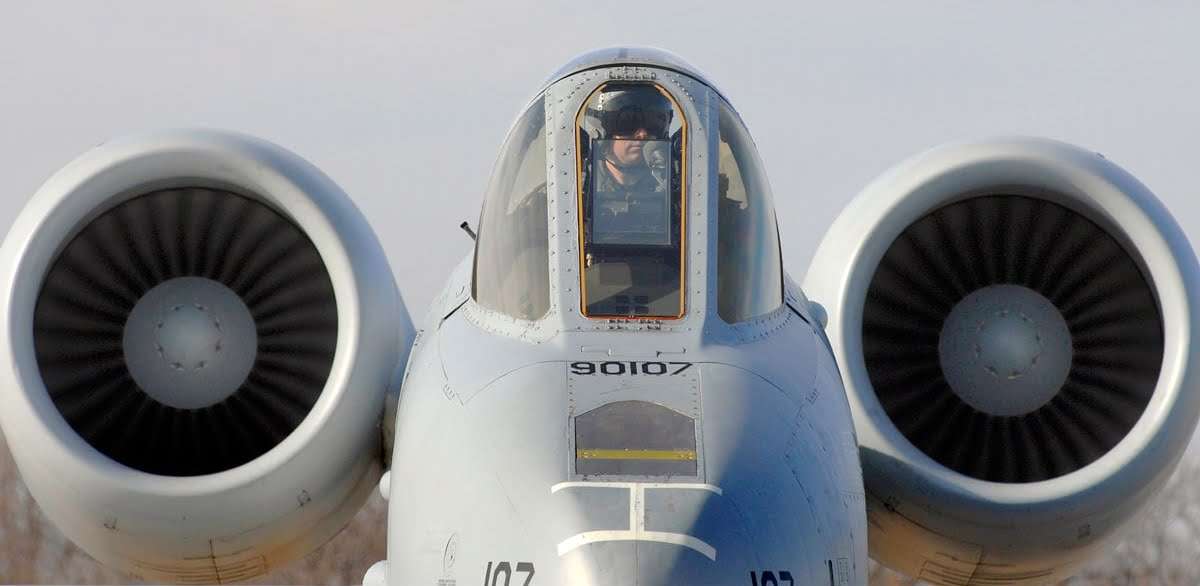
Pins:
x: 630, y: 367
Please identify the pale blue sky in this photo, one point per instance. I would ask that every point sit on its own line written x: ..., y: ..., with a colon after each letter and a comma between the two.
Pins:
x: 404, y: 105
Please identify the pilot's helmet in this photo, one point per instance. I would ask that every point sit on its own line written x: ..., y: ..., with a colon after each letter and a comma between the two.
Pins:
x: 620, y: 110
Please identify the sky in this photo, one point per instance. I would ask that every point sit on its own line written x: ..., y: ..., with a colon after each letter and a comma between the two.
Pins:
x: 404, y: 104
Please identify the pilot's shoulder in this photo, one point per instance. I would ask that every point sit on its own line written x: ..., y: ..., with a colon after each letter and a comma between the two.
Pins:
x: 605, y: 181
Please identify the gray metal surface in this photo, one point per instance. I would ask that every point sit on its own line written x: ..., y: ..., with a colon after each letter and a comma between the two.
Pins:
x: 956, y: 495
x: 174, y: 512
x: 190, y: 342
x: 1005, y: 350
x: 569, y: 450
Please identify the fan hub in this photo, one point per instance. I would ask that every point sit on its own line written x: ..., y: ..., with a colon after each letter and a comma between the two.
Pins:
x: 190, y: 342
x: 1005, y: 350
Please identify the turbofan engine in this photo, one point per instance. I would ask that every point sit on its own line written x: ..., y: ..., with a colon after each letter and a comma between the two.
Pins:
x: 1013, y: 321
x: 199, y: 330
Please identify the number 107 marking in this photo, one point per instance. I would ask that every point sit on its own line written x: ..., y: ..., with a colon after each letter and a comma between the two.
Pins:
x: 769, y: 578
x: 492, y: 578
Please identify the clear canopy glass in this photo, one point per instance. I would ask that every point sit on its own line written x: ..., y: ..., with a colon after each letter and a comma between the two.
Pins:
x: 749, y: 267
x: 512, y: 264
x: 631, y: 153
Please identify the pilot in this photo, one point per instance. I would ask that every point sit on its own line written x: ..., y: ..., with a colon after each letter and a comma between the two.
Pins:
x: 632, y: 158
x: 635, y: 122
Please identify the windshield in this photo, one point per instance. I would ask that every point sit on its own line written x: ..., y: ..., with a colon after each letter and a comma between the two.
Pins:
x: 512, y: 263
x: 631, y: 155
x: 749, y: 269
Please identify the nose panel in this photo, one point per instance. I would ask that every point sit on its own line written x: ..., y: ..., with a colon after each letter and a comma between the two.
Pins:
x: 646, y: 564
x: 655, y: 534
x: 774, y: 501
x: 667, y: 513
x: 774, y: 496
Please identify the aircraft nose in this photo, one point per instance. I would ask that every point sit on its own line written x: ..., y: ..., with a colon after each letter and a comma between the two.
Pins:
x: 645, y: 564
x: 652, y: 534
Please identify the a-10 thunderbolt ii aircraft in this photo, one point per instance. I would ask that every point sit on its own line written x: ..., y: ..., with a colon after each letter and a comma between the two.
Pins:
x: 987, y: 372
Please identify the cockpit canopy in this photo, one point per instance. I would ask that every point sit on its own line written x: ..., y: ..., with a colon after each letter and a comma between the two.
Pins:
x: 630, y: 164
x: 631, y: 156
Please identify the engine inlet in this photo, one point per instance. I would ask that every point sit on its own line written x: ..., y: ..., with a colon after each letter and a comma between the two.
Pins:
x: 186, y: 331
x: 1011, y: 339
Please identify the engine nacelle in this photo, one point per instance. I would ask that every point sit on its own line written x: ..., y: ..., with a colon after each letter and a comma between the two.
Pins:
x: 198, y: 331
x: 1013, y: 321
